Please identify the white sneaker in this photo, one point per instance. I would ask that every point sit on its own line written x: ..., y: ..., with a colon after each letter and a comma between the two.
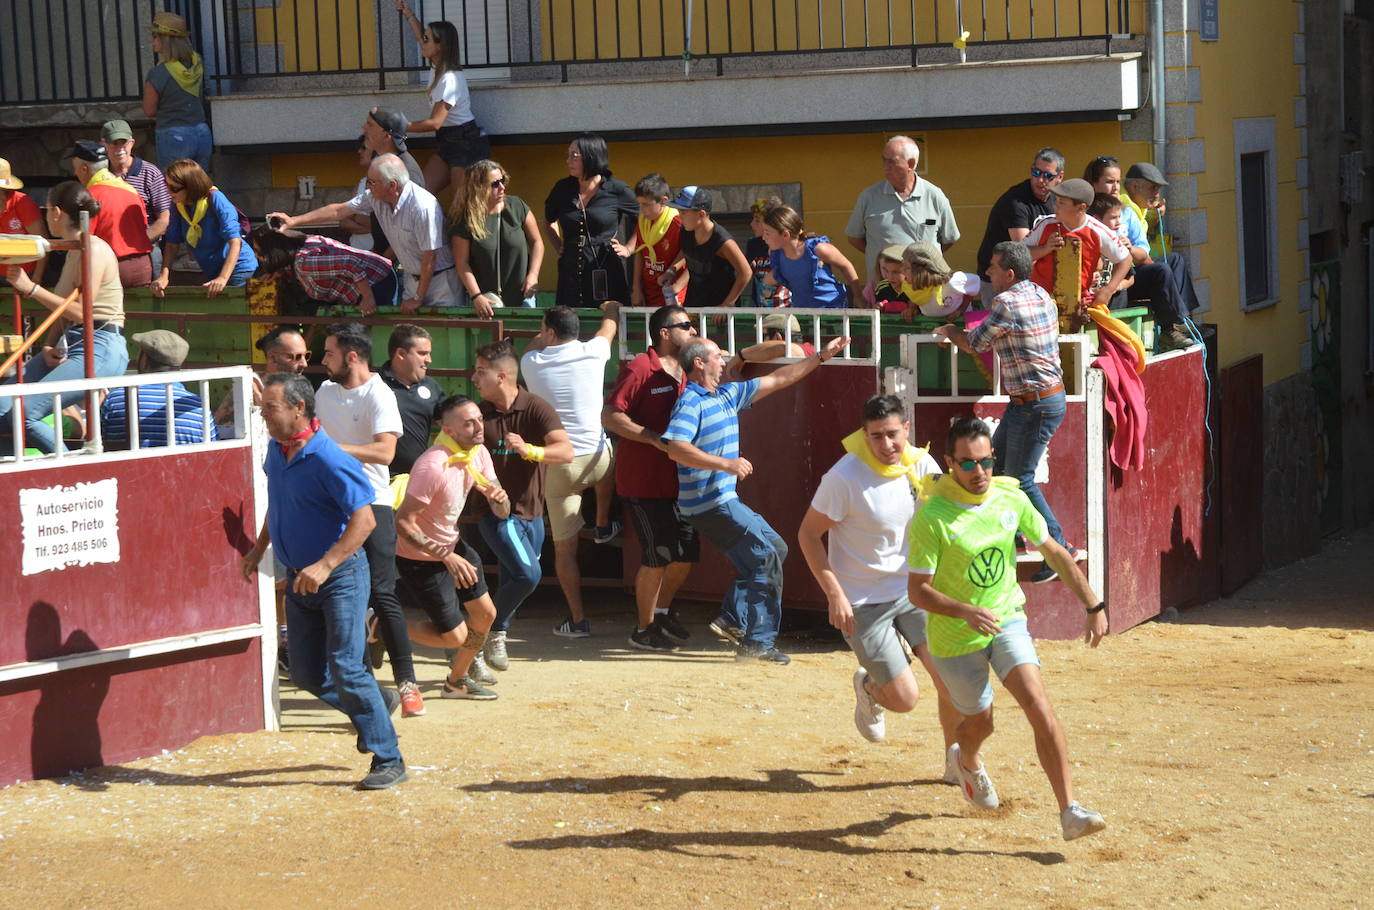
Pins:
x: 1078, y: 822
x: 868, y: 714
x: 975, y: 785
x: 478, y: 671
x: 495, y: 651
x: 952, y: 765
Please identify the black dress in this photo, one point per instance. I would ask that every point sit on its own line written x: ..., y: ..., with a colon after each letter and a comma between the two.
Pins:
x: 587, y: 237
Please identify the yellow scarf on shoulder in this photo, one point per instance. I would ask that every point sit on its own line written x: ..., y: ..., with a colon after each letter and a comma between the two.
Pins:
x: 188, y: 77
x: 461, y: 456
x: 106, y: 177
x: 919, y: 296
x: 193, y: 219
x: 856, y: 444
x: 947, y: 487
x: 651, y: 232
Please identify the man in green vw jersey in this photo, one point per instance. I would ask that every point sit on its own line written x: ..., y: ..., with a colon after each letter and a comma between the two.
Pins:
x: 963, y: 573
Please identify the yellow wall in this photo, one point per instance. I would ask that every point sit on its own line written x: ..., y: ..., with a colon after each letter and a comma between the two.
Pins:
x: 972, y: 166
x: 296, y: 25
x: 1250, y: 73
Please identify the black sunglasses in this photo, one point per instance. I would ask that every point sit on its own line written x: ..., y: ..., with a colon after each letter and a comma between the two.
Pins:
x: 1044, y: 175
x: 680, y: 325
x: 175, y: 187
x: 500, y: 181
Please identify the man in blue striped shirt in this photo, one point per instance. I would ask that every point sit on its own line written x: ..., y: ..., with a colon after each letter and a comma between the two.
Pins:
x: 159, y: 351
x: 703, y: 438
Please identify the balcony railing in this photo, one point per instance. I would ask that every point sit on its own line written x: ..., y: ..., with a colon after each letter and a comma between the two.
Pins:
x: 87, y: 50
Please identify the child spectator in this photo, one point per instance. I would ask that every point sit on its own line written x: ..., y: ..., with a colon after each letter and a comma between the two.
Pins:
x: 766, y: 292
x: 1106, y: 208
x: 887, y: 294
x: 933, y: 287
x: 805, y: 263
x: 1071, y: 222
x: 718, y: 271
x: 656, y: 243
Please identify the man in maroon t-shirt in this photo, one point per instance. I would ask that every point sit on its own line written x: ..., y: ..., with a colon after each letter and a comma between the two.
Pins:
x: 637, y: 410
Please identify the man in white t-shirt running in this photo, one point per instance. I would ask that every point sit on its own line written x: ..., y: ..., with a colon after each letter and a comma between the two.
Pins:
x: 571, y: 376
x: 359, y: 412
x: 864, y: 504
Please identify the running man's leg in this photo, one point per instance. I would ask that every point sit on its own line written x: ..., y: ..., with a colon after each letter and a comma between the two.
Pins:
x: 380, y: 548
x: 516, y: 547
x: 1027, y: 687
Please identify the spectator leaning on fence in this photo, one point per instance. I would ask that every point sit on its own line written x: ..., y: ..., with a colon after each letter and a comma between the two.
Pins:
x: 159, y: 351
x: 328, y: 271
x: 207, y: 222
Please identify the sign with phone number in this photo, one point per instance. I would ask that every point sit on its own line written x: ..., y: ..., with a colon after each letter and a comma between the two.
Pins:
x: 69, y: 525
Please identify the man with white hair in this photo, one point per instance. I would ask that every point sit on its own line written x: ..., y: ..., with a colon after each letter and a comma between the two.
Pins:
x: 413, y: 222
x: 900, y: 208
x: 122, y: 221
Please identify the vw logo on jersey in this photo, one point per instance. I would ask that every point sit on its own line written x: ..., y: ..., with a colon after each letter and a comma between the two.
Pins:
x: 988, y: 567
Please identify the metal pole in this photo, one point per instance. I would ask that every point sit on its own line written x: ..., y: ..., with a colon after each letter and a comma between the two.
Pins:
x: 88, y: 331
x: 687, y: 42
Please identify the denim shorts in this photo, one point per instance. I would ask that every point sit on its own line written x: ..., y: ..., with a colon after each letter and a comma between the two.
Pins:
x: 966, y: 676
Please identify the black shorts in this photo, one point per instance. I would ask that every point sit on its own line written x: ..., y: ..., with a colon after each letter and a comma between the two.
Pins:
x: 463, y: 144
x: 428, y: 585
x: 664, y: 535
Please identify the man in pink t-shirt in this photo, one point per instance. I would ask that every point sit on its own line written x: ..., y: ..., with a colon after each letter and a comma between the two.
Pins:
x: 435, y: 568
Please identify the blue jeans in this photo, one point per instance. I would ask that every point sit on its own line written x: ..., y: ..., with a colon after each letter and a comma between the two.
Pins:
x: 326, y: 638
x: 111, y: 359
x: 753, y: 602
x: 1019, y: 442
x: 175, y: 142
x: 516, y: 543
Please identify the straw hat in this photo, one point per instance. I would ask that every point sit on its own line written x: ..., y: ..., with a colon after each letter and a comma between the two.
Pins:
x: 7, y: 179
x: 169, y: 24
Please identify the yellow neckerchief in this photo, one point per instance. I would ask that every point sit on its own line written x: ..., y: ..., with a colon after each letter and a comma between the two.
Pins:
x: 945, y: 486
x: 1108, y: 323
x: 188, y: 77
x: 919, y: 296
x: 1159, y: 244
x: 652, y: 232
x: 461, y: 456
x: 193, y: 231
x: 107, y: 177
x: 856, y: 444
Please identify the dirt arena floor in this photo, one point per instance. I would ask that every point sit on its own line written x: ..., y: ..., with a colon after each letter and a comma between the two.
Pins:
x: 1231, y: 752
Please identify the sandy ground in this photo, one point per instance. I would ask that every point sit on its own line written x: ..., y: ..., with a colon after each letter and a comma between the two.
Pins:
x: 1229, y: 752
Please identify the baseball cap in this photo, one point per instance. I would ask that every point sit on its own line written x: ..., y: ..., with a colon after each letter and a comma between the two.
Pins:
x: 90, y: 151
x: 1075, y: 188
x: 394, y: 123
x: 1144, y: 170
x: 692, y: 198
x: 782, y: 322
x: 165, y: 347
x: 114, y: 130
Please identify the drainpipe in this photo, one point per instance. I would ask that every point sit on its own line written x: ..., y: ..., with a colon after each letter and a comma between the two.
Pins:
x: 1157, y: 80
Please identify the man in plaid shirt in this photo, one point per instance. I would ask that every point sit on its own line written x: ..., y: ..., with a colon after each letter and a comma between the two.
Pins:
x: 337, y: 273
x: 1023, y: 328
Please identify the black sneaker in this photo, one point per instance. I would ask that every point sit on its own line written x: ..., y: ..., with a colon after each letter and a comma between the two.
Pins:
x: 669, y: 624
x: 651, y: 639
x: 382, y: 777
x: 723, y: 630
x: 770, y: 656
x: 392, y: 699
x: 606, y: 533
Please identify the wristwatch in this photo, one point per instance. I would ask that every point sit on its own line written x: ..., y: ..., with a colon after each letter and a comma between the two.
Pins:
x: 1101, y: 605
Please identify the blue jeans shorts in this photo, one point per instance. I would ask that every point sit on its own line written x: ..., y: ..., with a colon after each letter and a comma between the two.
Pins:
x: 966, y: 676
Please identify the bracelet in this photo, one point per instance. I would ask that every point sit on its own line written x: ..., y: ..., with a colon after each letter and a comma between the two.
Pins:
x: 1101, y: 605
x: 32, y: 291
x: 536, y: 454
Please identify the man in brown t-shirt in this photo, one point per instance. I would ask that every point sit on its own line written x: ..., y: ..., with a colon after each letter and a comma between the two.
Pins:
x: 523, y: 433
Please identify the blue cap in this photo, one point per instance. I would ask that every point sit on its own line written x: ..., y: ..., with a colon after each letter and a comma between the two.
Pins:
x: 692, y: 198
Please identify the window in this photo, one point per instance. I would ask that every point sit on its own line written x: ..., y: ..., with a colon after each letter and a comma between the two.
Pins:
x: 1256, y: 213
x: 1254, y: 227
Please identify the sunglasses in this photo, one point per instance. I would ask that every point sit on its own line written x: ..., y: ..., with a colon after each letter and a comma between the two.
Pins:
x: 688, y: 326
x: 175, y: 187
x: 968, y: 464
x: 499, y: 182
x: 1043, y: 175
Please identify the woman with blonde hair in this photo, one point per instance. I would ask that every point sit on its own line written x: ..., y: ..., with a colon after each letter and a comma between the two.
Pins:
x: 174, y: 94
x: 66, y: 359
x: 497, y: 249
x: 460, y: 141
x: 205, y: 220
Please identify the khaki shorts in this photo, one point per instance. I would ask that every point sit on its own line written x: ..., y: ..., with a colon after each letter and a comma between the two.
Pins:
x: 563, y: 487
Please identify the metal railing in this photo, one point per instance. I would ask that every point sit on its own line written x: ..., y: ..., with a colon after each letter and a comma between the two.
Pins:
x: 91, y: 51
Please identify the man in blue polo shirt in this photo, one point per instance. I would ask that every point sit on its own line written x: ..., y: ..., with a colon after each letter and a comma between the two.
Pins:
x: 703, y: 438
x: 319, y: 513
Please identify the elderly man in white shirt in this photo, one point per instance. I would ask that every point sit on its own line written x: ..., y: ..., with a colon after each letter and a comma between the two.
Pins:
x: 413, y: 222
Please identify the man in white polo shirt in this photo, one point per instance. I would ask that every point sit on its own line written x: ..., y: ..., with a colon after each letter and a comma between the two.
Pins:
x: 359, y: 412
x: 413, y: 222
x: 571, y: 376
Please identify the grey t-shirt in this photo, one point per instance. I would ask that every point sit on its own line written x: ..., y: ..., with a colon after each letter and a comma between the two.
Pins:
x: 175, y: 105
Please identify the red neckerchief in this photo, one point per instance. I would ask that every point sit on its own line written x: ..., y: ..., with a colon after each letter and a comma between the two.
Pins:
x: 300, y: 437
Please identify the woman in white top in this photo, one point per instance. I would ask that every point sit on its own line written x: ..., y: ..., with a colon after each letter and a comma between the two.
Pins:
x: 460, y: 141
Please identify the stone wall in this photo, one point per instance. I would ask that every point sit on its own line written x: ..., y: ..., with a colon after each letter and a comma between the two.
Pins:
x: 1292, y: 527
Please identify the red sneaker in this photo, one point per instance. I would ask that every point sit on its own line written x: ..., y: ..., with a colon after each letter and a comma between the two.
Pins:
x: 412, y: 705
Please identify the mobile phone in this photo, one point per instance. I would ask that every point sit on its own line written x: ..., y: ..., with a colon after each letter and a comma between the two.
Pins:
x: 276, y: 223
x: 600, y: 286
